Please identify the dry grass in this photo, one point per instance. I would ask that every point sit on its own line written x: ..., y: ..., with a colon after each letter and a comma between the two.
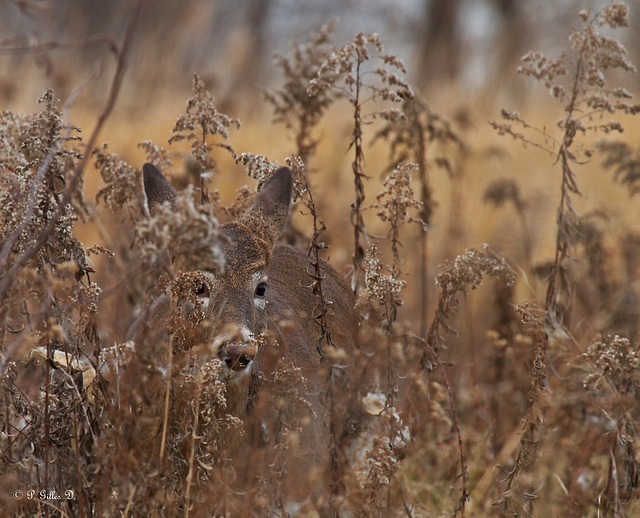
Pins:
x: 513, y: 396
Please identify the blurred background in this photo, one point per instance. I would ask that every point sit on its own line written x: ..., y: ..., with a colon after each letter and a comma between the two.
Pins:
x: 472, y: 46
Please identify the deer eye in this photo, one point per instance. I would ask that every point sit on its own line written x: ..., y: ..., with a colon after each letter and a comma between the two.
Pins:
x: 261, y: 290
x: 202, y: 290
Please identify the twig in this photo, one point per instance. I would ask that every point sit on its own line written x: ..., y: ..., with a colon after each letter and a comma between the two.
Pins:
x: 317, y: 273
x: 167, y: 401
x: 55, y: 45
x: 357, y: 220
x: 194, y: 437
x: 613, y: 470
x: 464, y: 474
x: 76, y: 433
x: 11, y: 274
x: 97, y: 67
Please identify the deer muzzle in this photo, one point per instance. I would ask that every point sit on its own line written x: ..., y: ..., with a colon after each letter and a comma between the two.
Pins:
x: 237, y: 356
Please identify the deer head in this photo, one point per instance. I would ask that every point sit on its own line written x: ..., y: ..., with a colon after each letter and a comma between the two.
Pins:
x: 235, y: 301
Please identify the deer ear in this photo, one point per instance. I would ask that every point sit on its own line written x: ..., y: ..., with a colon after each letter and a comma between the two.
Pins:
x: 270, y: 209
x: 156, y: 188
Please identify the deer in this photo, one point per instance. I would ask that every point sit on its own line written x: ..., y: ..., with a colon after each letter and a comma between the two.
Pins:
x: 265, y: 288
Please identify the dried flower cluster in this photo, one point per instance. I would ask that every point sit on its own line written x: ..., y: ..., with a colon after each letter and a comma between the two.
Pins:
x: 42, y: 287
x: 258, y: 167
x: 396, y: 202
x: 617, y: 364
x: 380, y: 467
x: 189, y: 234
x: 199, y: 124
x: 343, y: 67
x: 34, y: 174
x: 613, y: 381
x: 157, y: 155
x: 467, y: 271
x: 122, y: 181
x: 382, y: 287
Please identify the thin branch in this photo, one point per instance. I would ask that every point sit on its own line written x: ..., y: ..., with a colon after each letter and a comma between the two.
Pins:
x: 56, y: 45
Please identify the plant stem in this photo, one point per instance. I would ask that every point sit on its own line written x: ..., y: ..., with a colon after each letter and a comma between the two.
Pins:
x: 358, y: 175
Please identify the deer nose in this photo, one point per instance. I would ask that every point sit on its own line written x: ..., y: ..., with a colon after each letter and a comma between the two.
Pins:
x: 237, y: 356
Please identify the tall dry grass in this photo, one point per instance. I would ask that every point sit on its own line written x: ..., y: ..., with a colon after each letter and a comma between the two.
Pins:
x: 507, y: 396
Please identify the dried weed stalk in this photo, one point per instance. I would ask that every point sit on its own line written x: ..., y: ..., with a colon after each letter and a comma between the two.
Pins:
x: 316, y: 271
x: 344, y: 73
x: 455, y: 280
x: 578, y: 82
x: 412, y: 138
x: 530, y: 434
x: 288, y: 406
x: 395, y: 204
x: 199, y: 125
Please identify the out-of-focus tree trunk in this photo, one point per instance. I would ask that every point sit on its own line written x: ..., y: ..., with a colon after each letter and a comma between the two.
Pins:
x: 509, y: 42
x: 439, y: 48
x: 252, y: 53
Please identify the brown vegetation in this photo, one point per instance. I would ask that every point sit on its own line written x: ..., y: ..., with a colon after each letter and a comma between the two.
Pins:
x: 524, y: 402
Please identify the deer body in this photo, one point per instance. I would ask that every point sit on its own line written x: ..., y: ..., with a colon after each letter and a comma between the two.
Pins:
x: 265, y: 288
